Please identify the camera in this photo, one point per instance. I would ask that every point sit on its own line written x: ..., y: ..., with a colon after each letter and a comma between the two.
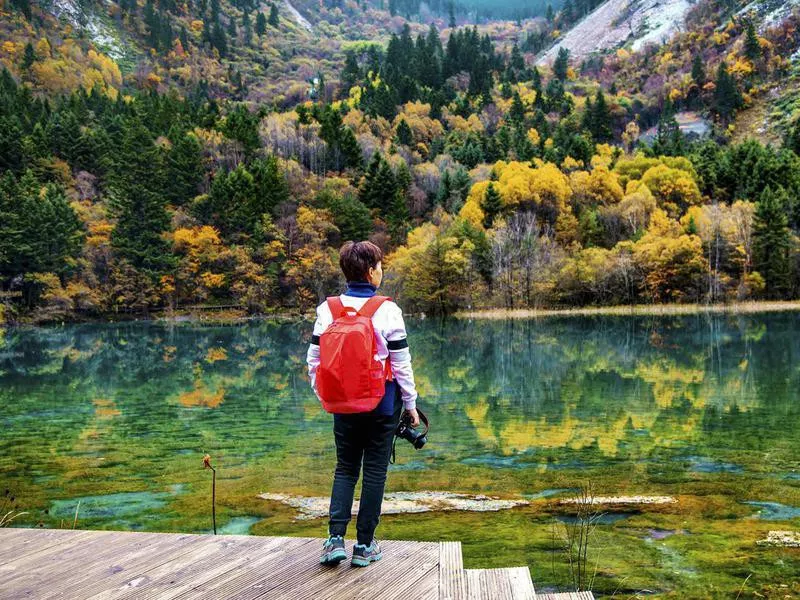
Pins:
x: 404, y: 430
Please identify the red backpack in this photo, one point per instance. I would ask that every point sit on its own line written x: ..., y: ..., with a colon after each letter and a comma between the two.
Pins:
x: 349, y: 378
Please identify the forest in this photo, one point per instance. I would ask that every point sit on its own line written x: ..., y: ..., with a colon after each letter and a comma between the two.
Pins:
x: 488, y: 179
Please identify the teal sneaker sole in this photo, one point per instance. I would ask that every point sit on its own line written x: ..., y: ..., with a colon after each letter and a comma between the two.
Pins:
x: 364, y: 562
x: 333, y: 558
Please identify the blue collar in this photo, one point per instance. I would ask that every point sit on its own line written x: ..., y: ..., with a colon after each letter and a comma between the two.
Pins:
x: 360, y: 289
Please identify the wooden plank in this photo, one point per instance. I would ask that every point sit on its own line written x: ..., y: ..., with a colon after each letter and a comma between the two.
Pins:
x: 513, y: 583
x: 40, y: 556
x: 110, y: 571
x: 519, y: 578
x: 214, y: 556
x: 452, y: 579
x: 35, y: 540
x: 40, y: 576
x: 308, y: 579
x: 251, y: 572
x: 407, y: 570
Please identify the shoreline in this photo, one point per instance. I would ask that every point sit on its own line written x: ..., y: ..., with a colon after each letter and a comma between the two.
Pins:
x: 735, y: 308
x: 227, y: 318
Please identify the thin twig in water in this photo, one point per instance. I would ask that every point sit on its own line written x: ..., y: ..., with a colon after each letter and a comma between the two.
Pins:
x: 207, y: 465
x: 744, y: 583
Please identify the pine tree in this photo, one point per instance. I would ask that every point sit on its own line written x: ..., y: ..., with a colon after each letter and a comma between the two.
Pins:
x: 271, y: 186
x: 183, y: 168
x: 404, y: 135
x: 492, y: 205
x: 727, y: 98
x: 273, y: 15
x: 29, y: 57
x: 517, y: 111
x: 350, y: 216
x: 248, y: 32
x: 397, y: 214
x: 451, y: 12
x: 698, y: 71
x: 601, y: 119
x: 232, y: 32
x: 139, y: 204
x: 261, y: 24
x: 219, y: 39
x: 752, y: 46
x: 561, y: 64
x: 772, y: 241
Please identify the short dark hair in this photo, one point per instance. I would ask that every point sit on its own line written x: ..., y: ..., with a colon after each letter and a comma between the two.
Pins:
x: 355, y: 259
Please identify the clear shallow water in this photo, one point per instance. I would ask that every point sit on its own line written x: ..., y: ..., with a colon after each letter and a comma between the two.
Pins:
x: 702, y: 408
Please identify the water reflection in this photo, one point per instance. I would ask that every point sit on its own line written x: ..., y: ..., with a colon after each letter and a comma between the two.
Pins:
x: 701, y: 395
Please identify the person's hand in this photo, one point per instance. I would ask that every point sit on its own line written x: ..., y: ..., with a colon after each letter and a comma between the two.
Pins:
x: 414, y: 417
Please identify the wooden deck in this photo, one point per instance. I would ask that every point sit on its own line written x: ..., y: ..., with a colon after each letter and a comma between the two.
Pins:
x: 56, y: 563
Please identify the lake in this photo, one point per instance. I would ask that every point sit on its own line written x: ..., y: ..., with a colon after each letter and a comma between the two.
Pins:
x: 703, y: 409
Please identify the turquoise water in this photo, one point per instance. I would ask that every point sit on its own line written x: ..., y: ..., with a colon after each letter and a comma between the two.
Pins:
x: 704, y: 409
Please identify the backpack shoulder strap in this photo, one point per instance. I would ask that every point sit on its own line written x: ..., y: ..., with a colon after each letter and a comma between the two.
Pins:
x: 336, y: 306
x: 372, y: 305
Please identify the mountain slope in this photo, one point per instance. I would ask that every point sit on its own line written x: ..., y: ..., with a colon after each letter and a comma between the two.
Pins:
x: 618, y: 22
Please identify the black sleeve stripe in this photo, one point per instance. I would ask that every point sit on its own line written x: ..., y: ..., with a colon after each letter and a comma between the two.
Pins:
x: 398, y: 344
x: 315, y: 340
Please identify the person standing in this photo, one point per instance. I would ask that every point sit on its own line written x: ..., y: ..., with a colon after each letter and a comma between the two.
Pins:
x: 364, y: 421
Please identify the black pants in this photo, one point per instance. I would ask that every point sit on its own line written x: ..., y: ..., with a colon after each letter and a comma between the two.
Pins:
x: 367, y: 437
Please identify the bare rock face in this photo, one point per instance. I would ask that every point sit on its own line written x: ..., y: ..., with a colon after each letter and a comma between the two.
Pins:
x: 617, y: 21
x: 619, y: 500
x: 400, y: 502
x: 783, y: 539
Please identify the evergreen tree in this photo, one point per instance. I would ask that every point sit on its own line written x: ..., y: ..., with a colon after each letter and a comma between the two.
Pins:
x: 397, y: 214
x: 271, y: 186
x: 772, y: 241
x: 601, y: 119
x: 139, y: 205
x: 29, y: 57
x: 561, y: 64
x: 404, y: 135
x: 273, y: 15
x: 727, y: 98
x: 248, y: 32
x: 492, y: 205
x: 350, y: 216
x: 698, y: 71
x: 232, y: 31
x: 752, y: 46
x: 39, y: 230
x: 242, y: 125
x: 183, y: 168
x: 379, y: 186
x: 444, y: 191
x: 219, y: 39
x: 23, y: 6
x: 517, y: 111
x: 451, y: 12
x: 792, y: 141
x: 261, y: 24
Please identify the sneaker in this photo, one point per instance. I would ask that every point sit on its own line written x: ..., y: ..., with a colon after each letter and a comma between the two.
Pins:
x: 363, y: 555
x: 333, y: 551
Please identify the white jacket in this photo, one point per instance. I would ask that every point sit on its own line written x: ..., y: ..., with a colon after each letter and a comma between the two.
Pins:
x: 390, y: 340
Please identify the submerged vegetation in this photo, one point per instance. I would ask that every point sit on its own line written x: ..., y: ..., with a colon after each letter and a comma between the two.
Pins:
x: 701, y: 409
